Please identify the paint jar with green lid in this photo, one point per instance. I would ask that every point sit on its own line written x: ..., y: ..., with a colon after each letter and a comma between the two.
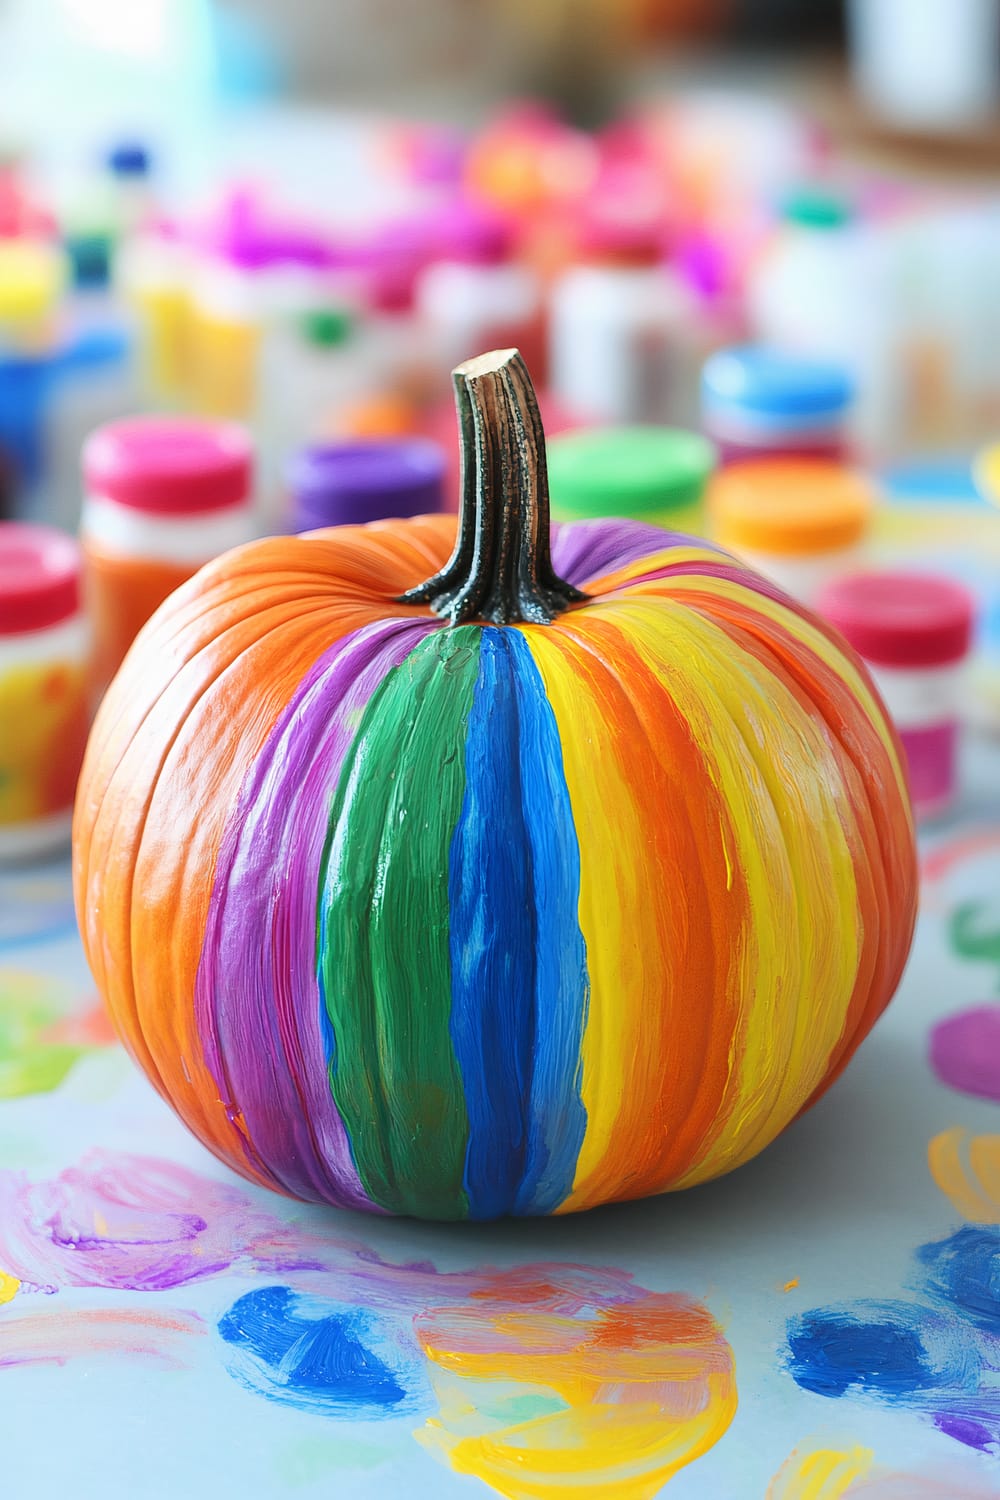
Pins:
x: 654, y: 474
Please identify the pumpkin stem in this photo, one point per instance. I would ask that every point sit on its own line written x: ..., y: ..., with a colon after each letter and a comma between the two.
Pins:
x: 501, y: 569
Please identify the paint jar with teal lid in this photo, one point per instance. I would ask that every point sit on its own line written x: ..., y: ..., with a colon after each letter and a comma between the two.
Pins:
x: 654, y: 474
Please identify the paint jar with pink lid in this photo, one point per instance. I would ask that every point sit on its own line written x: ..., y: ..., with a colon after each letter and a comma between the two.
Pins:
x: 162, y: 496
x: 914, y: 632
x: 44, y: 651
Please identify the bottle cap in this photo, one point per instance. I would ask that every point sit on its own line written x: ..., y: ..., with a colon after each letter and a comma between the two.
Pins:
x: 129, y: 159
x: 769, y: 384
x: 628, y: 471
x: 816, y: 207
x: 901, y: 619
x: 339, y: 484
x: 39, y: 577
x: 789, y: 507
x: 327, y: 327
x: 169, y: 465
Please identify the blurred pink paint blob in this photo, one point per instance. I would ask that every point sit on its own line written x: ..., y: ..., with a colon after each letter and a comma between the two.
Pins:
x: 965, y: 1051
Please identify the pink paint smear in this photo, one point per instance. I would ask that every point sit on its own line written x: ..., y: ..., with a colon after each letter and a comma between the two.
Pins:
x: 54, y: 1337
x: 965, y: 1051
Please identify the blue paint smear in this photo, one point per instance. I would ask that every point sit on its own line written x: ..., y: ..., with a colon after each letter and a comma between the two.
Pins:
x: 519, y: 984
x: 292, y: 1348
x: 963, y: 1274
x: 892, y: 1349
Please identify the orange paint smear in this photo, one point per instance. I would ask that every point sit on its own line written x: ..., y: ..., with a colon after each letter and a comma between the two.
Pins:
x: 967, y: 1170
x: 541, y: 1396
x: 56, y: 1337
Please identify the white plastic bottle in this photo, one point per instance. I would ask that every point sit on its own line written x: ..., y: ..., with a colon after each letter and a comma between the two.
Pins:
x: 615, y: 329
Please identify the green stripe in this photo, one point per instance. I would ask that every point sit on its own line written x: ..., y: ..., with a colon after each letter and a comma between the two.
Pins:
x: 383, y: 940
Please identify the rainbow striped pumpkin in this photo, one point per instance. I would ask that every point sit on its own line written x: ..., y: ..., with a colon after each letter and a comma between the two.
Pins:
x: 564, y: 877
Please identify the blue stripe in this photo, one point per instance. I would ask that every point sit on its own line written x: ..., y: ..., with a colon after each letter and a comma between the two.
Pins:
x: 519, y: 983
x: 557, y: 1119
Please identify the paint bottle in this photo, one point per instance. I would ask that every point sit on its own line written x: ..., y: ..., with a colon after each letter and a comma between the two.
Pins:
x: 799, y: 521
x: 914, y: 632
x: 44, y: 651
x: 32, y: 275
x: 654, y: 474
x: 475, y: 297
x: 340, y: 484
x: 162, y: 496
x: 152, y: 271
x: 616, y: 321
x: 761, y: 403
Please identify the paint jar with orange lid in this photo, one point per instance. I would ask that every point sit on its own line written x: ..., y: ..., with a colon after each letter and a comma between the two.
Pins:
x: 162, y: 496
x: 800, y: 522
x: 44, y: 651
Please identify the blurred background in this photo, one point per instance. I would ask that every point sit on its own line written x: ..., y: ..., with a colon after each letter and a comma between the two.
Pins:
x: 765, y: 232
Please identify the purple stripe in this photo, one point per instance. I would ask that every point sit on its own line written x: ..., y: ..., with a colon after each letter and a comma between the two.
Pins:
x: 583, y: 550
x: 257, y: 998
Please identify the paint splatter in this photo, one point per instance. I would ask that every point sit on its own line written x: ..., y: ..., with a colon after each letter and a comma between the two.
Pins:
x: 967, y: 1170
x: 963, y: 1274
x: 971, y: 937
x: 39, y: 1042
x: 943, y: 1361
x: 57, y: 1337
x: 822, y: 1474
x: 317, y: 1355
x: 965, y: 1051
x: 9, y: 1287
x: 138, y: 1224
x: 851, y: 1474
x: 562, y: 1386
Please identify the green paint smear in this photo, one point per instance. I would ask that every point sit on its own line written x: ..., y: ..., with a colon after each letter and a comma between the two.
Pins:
x: 969, y: 940
x: 28, y: 1063
x: 312, y: 1460
x: 384, y: 957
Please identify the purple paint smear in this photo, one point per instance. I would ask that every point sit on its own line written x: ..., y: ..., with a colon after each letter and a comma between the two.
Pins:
x: 965, y: 1051
x: 257, y: 999
x: 135, y: 1223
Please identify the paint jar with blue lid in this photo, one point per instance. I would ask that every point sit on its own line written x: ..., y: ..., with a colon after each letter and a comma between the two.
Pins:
x: 759, y: 402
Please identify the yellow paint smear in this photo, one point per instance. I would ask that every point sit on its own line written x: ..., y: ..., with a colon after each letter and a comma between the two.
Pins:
x: 790, y: 1286
x: 967, y: 1170
x: 9, y: 1287
x: 542, y: 1406
x: 823, y: 1474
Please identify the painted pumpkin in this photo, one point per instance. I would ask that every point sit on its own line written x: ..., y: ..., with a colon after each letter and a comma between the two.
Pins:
x: 568, y: 876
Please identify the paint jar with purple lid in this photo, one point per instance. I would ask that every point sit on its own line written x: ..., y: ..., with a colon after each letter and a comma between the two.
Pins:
x: 761, y: 403
x: 914, y: 632
x: 341, y: 484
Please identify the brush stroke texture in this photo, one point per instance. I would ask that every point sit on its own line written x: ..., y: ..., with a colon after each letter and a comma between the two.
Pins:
x: 481, y: 921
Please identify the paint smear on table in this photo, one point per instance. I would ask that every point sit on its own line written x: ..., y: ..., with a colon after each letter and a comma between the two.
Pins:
x: 973, y: 935
x: 851, y: 1474
x: 309, y: 1352
x: 965, y: 1051
x: 40, y: 1041
x: 822, y: 1474
x: 134, y: 1223
x: 939, y: 1356
x: 966, y: 1168
x: 552, y: 1387
x: 62, y: 1335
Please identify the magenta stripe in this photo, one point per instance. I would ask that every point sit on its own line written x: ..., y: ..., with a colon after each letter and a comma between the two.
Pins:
x: 257, y: 999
